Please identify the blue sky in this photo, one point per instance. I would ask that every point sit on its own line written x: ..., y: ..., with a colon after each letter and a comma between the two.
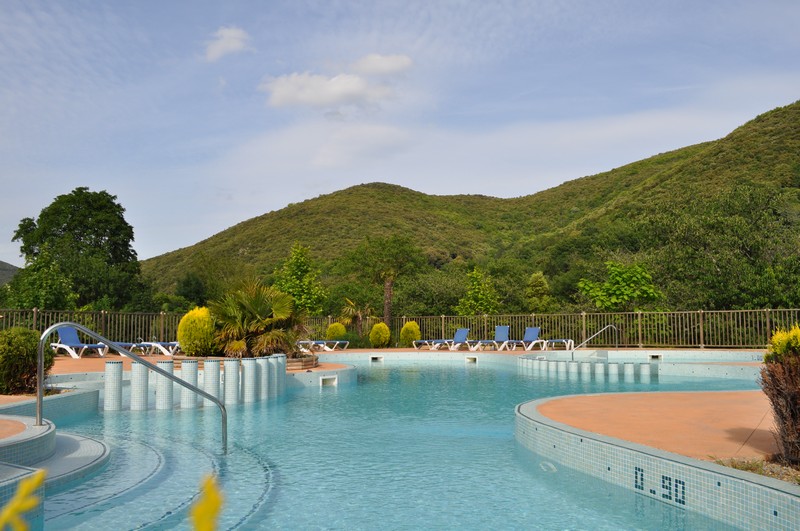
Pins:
x: 198, y: 115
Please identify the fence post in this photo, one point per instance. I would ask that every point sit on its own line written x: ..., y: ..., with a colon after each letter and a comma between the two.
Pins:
x: 583, y: 327
x: 639, y: 318
x: 702, y: 335
x: 769, y: 327
x: 443, y: 334
x: 161, y: 328
x: 36, y: 318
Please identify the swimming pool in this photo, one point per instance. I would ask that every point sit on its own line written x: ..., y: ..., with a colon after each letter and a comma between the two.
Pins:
x: 424, y: 445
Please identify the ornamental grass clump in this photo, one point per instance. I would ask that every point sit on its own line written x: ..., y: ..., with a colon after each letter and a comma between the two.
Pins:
x: 780, y: 380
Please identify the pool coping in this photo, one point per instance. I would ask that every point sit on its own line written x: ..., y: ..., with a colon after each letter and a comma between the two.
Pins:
x: 725, y: 494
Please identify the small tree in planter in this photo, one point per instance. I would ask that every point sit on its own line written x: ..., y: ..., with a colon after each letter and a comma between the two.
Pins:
x: 780, y: 380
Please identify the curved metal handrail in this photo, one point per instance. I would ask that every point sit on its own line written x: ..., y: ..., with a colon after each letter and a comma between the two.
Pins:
x: 606, y: 327
x: 118, y: 348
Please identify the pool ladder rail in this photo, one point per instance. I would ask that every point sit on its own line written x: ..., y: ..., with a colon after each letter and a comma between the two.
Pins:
x: 97, y: 337
x: 584, y: 342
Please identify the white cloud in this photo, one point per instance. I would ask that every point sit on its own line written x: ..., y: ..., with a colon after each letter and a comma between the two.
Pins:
x: 227, y: 40
x: 320, y: 91
x: 376, y: 64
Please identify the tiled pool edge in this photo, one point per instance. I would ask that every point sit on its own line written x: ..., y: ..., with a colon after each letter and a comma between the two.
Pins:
x: 724, y: 494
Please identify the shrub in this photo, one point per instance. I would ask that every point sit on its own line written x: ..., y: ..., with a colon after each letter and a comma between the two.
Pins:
x: 18, y: 360
x: 379, y: 335
x: 409, y: 333
x: 335, y: 332
x: 780, y: 380
x: 196, y: 332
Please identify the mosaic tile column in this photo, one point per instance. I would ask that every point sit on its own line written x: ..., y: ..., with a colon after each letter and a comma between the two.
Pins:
x: 249, y: 389
x: 189, y: 375
x: 263, y: 377
x: 273, y: 376
x: 231, y: 380
x: 599, y: 372
x: 628, y: 372
x: 139, y: 386
x: 164, y: 386
x: 644, y: 373
x: 211, y: 380
x: 586, y: 371
x: 613, y: 372
x: 281, y: 377
x: 112, y: 397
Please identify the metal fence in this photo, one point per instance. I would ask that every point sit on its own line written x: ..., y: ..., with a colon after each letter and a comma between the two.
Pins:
x: 117, y: 326
x: 687, y: 329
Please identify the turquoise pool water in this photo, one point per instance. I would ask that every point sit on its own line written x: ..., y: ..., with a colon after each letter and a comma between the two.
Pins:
x: 413, y: 445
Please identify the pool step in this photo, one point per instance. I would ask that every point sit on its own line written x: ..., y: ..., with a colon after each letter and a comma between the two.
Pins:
x: 66, y: 457
x: 156, y: 494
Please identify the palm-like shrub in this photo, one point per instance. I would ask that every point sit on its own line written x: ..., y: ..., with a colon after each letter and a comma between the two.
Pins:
x: 379, y: 335
x: 409, y: 333
x: 780, y: 380
x: 196, y: 332
x: 256, y: 320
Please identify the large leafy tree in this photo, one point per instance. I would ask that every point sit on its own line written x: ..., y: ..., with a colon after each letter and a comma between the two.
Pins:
x: 384, y: 260
x: 626, y: 288
x: 481, y: 297
x: 298, y: 277
x: 85, y: 235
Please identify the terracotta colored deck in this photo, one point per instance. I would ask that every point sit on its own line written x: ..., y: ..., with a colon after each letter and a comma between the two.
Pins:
x: 9, y: 428
x: 700, y: 425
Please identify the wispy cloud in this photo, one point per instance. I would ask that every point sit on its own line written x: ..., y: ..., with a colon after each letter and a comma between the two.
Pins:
x: 320, y: 91
x: 227, y: 40
x: 377, y: 64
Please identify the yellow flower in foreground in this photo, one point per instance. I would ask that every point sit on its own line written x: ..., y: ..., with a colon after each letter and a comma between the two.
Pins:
x: 205, y: 511
x: 23, y: 501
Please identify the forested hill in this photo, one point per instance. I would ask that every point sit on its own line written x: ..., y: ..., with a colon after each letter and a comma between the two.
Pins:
x: 6, y: 272
x: 715, y: 223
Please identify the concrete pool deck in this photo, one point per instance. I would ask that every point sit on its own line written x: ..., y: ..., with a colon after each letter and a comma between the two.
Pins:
x: 701, y: 425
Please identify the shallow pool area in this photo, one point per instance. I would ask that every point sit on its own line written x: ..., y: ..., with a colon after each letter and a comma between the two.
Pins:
x: 411, y: 444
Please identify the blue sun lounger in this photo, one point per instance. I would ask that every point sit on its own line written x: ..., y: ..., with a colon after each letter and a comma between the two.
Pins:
x: 459, y: 339
x: 529, y: 340
x: 69, y: 342
x: 499, y: 342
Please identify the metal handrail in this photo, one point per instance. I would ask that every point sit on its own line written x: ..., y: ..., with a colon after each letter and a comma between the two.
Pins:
x: 124, y: 352
x: 606, y: 327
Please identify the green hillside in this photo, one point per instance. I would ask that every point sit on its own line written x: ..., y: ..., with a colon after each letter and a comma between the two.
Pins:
x: 7, y: 271
x: 716, y: 223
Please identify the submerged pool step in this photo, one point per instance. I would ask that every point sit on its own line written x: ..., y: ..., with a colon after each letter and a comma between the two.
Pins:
x: 153, y: 485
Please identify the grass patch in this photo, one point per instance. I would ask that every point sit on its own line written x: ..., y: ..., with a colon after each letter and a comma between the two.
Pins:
x: 771, y: 467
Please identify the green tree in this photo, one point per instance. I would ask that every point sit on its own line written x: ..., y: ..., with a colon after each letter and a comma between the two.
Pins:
x: 384, y: 260
x: 192, y: 288
x: 537, y: 294
x: 86, y: 235
x: 298, y: 278
x: 624, y: 290
x: 41, y: 284
x: 481, y: 297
